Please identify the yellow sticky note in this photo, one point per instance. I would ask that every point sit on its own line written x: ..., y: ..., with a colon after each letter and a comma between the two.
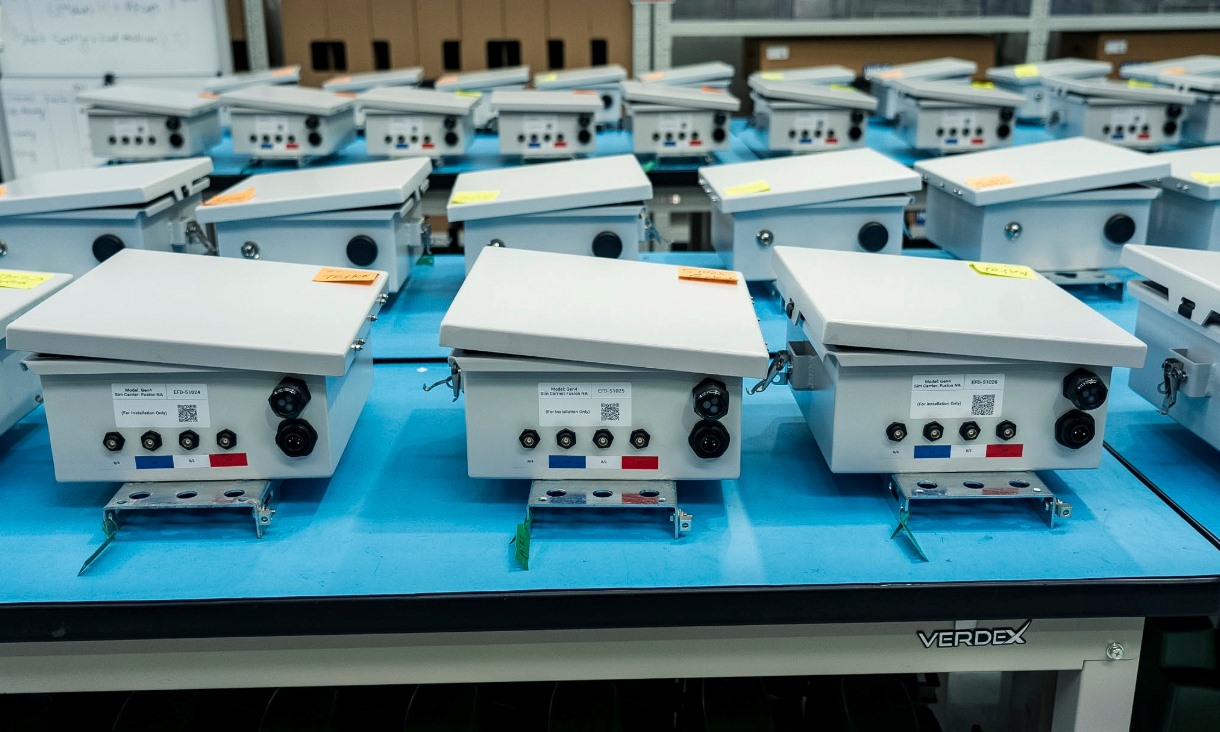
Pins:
x: 460, y: 197
x: 705, y: 274
x: 842, y: 87
x: 771, y: 75
x: 544, y: 78
x: 1139, y: 83
x: 471, y: 94
x: 758, y: 186
x: 221, y: 199
x: 1025, y: 71
x: 1208, y: 178
x: 989, y: 181
x: 982, y: 84
x: 13, y: 280
x: 1011, y: 271
x: 346, y: 276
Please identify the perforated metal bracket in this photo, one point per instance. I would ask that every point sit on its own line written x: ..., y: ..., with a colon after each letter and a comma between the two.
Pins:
x: 911, y: 488
x: 660, y: 495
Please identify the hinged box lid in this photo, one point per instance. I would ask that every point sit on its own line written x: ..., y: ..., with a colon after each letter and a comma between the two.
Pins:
x: 1194, y: 172
x: 335, y: 188
x: 561, y: 186
x: 164, y: 308
x: 15, y: 301
x: 680, y: 96
x: 1120, y: 90
x: 938, y: 306
x: 232, y: 82
x: 825, y: 96
x: 806, y: 179
x: 689, y: 74
x: 290, y: 99
x: 948, y: 91
x: 946, y: 67
x: 1193, y: 82
x: 1067, y: 68
x: 606, y: 311
x: 148, y: 100
x: 478, y: 80
x: 532, y: 100
x: 822, y: 75
x: 1039, y: 170
x: 1190, y: 274
x: 419, y: 101
x: 409, y: 76
x: 579, y: 78
x: 105, y: 187
x: 1152, y: 71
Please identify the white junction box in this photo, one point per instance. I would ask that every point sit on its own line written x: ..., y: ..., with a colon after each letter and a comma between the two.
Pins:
x: 669, y: 121
x: 955, y: 70
x: 1179, y: 302
x: 289, y: 122
x: 20, y: 391
x: 69, y: 220
x: 1063, y: 205
x: 1188, y: 212
x: 401, y: 122
x: 1011, y: 373
x: 950, y: 118
x: 1155, y: 70
x: 1027, y: 80
x: 366, y: 216
x: 813, y: 75
x: 600, y: 81
x: 281, y: 76
x: 1138, y: 117
x: 356, y: 83
x: 546, y: 124
x: 1202, y: 123
x: 716, y: 74
x: 851, y: 201
x: 144, y: 123
x: 478, y: 86
x: 565, y: 381
x: 793, y: 116
x: 592, y: 207
x: 200, y: 369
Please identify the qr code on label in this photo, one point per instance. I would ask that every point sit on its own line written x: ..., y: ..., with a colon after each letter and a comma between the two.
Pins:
x: 982, y: 405
x: 611, y: 412
x: 188, y: 413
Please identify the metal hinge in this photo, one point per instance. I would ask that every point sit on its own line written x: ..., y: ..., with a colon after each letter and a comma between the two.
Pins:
x: 1174, y: 377
x: 453, y: 380
x: 777, y: 373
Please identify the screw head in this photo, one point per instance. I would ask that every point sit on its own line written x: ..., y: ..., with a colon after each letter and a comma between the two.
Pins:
x: 765, y: 238
x: 249, y: 250
x: 1115, y: 651
x: 1012, y: 230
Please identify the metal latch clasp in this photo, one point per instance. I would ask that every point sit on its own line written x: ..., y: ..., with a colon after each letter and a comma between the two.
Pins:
x: 195, y: 234
x: 777, y: 372
x: 652, y: 234
x: 453, y: 380
x: 1175, y: 377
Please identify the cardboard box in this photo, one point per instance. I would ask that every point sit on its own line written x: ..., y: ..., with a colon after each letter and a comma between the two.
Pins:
x: 612, y: 24
x: 1121, y: 48
x: 524, y: 21
x: 569, y: 21
x: 393, y: 21
x: 857, y: 52
x: 436, y: 21
x: 236, y: 12
x: 301, y: 23
x: 482, y: 21
x: 348, y: 22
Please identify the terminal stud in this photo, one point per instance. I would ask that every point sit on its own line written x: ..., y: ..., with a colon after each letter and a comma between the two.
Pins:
x: 289, y: 397
x: 709, y: 439
x: 113, y: 441
x: 1084, y: 389
x: 602, y: 439
x: 529, y: 439
x: 933, y: 431
x: 226, y: 439
x: 188, y: 439
x: 969, y: 431
x: 565, y: 438
x: 1006, y: 430
x: 640, y: 439
x: 1075, y: 429
x: 897, y: 432
x: 150, y: 441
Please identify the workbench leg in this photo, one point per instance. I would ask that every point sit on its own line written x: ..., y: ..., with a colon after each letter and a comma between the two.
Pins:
x: 1097, y: 697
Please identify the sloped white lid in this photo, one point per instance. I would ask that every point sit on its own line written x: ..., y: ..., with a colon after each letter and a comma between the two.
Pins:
x: 409, y: 76
x: 16, y: 301
x: 1203, y: 64
x: 422, y: 101
x: 805, y: 179
x: 1068, y: 68
x: 1192, y: 82
x: 577, y: 78
x: 531, y: 100
x: 688, y: 74
x: 947, y: 91
x: 680, y: 96
x: 1191, y: 274
x: 946, y: 67
x: 164, y: 308
x: 938, y: 306
x: 148, y: 100
x: 605, y: 311
x: 1194, y: 172
x: 335, y: 188
x: 291, y: 99
x: 832, y: 74
x: 280, y: 76
x: 104, y: 187
x: 798, y: 91
x: 1110, y: 89
x: 1040, y: 169
x: 490, y: 79
x: 560, y: 186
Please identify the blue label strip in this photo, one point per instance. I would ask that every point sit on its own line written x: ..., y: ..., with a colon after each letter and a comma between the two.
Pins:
x: 566, y: 461
x: 154, y: 462
x: 932, y: 451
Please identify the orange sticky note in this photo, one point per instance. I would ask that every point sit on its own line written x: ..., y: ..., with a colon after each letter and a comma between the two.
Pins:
x: 711, y: 89
x: 3, y: 190
x: 989, y: 181
x: 284, y: 71
x: 653, y: 76
x: 341, y: 79
x: 891, y: 74
x: 349, y: 95
x: 208, y: 95
x: 1175, y: 70
x: 446, y: 79
x: 705, y: 274
x: 346, y: 276
x: 221, y: 199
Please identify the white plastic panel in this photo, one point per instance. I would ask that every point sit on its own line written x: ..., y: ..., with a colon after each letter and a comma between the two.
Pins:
x: 114, y: 185
x: 937, y: 68
x: 581, y: 78
x: 1203, y: 64
x: 477, y: 80
x: 549, y: 187
x: 1193, y: 82
x: 1190, y: 274
x: 805, y: 179
x: 604, y: 311
x: 284, y: 75
x: 945, y: 91
x: 796, y: 91
x: 531, y: 100
x: 15, y: 301
x: 1109, y: 89
x: 938, y: 306
x: 148, y: 100
x: 1067, y: 68
x: 678, y: 96
x: 424, y: 101
x: 1039, y: 170
x: 1194, y: 172
x: 163, y: 308
x: 292, y: 99
x: 689, y: 74
x: 807, y: 75
x: 409, y: 76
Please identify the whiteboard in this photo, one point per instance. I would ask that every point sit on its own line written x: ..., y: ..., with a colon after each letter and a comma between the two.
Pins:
x: 79, y: 38
x: 47, y: 129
